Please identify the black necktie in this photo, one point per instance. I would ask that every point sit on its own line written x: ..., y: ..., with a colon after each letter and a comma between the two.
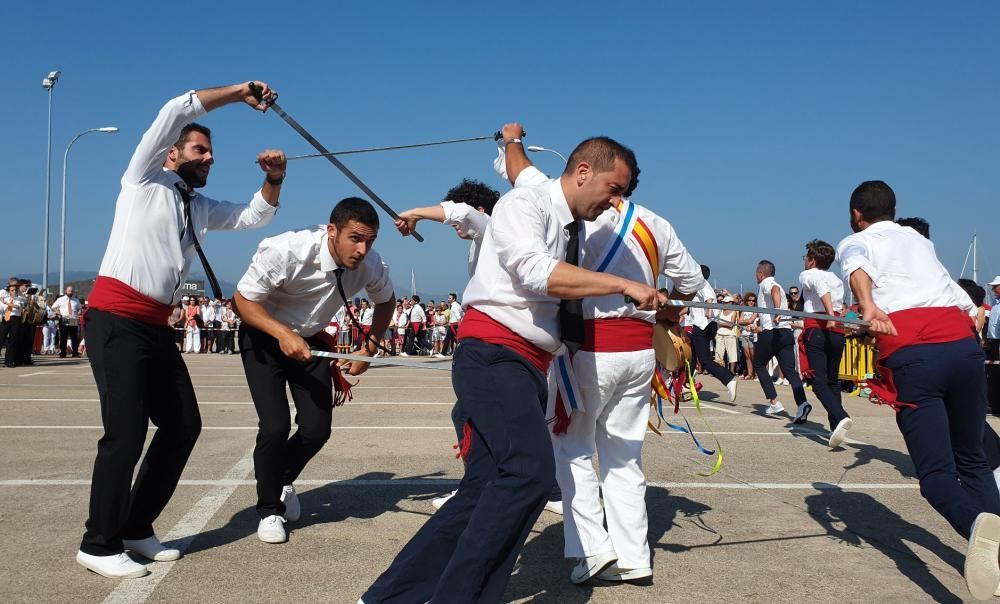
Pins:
x: 189, y: 225
x: 571, y: 311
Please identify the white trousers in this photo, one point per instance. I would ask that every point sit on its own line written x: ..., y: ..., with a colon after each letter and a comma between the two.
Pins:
x: 49, y: 332
x: 192, y: 339
x: 615, y: 389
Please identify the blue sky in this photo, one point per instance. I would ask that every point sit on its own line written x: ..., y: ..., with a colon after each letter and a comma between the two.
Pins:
x: 752, y: 122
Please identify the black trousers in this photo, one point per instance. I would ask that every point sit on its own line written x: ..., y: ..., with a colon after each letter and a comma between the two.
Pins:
x: 67, y: 333
x: 699, y: 341
x: 779, y: 343
x: 449, y: 338
x: 141, y: 378
x: 8, y: 332
x: 466, y: 551
x: 278, y: 459
x: 824, y: 349
x: 25, y: 343
x: 414, y: 340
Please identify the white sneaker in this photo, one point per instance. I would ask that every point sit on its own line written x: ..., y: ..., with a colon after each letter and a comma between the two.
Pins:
x: 292, y: 508
x: 591, y: 566
x: 774, y: 408
x: 118, y: 566
x: 840, y: 433
x: 982, y: 573
x: 438, y: 502
x: 556, y: 507
x: 272, y: 529
x: 785, y: 382
x: 731, y: 387
x: 151, y: 548
x: 403, y: 354
x: 617, y: 573
x: 802, y: 413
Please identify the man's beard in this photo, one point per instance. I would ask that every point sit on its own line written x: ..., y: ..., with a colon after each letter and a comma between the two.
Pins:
x: 189, y: 173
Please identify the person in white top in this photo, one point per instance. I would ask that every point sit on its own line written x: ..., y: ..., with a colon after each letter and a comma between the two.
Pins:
x: 775, y: 340
x: 511, y: 328
x: 295, y: 283
x: 605, y: 525
x: 160, y: 221
x: 930, y: 370
x: 50, y: 331
x: 12, y: 304
x: 416, y: 327
x: 67, y: 307
x: 726, y: 335
x: 823, y: 341
x: 454, y: 319
x: 701, y: 336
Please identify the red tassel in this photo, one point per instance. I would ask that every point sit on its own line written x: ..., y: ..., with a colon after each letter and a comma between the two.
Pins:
x: 466, y: 443
x: 807, y: 373
x: 341, y: 387
x: 560, y: 420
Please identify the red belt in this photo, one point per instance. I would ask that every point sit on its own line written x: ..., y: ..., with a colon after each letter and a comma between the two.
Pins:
x: 477, y: 324
x: 619, y: 334
x: 113, y: 296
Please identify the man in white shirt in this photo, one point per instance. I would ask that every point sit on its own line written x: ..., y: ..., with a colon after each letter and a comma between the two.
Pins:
x: 454, y: 319
x: 68, y: 308
x: 159, y: 222
x: 12, y: 304
x: 701, y: 337
x: 930, y: 370
x: 513, y: 324
x: 775, y: 340
x: 295, y: 283
x: 823, y: 341
x: 416, y: 319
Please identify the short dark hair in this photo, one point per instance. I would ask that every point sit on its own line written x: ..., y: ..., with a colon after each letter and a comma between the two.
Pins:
x: 474, y: 193
x: 821, y: 252
x: 768, y: 267
x: 601, y: 152
x: 917, y: 224
x: 875, y: 200
x: 354, y: 208
x: 977, y: 293
x: 453, y: 295
x: 416, y: 299
x: 186, y: 133
x: 705, y: 271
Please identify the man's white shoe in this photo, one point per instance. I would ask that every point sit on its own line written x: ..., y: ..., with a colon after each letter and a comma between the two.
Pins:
x: 982, y: 572
x: 438, y: 502
x: 591, y: 566
x: 802, y: 413
x: 731, y: 387
x: 272, y: 529
x: 840, y: 432
x: 774, y: 408
x: 616, y: 573
x: 292, y: 508
x: 556, y: 507
x: 118, y: 566
x: 151, y: 548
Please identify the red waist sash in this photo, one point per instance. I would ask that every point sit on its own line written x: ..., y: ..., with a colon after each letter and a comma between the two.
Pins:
x: 620, y: 334
x: 479, y: 325
x: 113, y: 296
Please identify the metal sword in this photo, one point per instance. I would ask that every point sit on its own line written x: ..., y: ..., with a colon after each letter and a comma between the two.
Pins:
x: 380, y: 360
x: 323, y: 150
x: 393, y: 147
x: 767, y: 311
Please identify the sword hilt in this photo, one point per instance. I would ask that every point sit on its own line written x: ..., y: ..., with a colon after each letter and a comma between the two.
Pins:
x: 498, y: 135
x: 258, y: 94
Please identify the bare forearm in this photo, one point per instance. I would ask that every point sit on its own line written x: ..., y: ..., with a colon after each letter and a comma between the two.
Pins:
x: 255, y: 315
x: 861, y: 285
x: 434, y: 212
x: 270, y: 192
x: 827, y: 303
x: 572, y: 282
x: 213, y: 98
x: 517, y: 161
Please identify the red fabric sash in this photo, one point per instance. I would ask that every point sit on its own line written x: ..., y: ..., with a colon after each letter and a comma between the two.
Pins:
x: 479, y: 325
x: 113, y: 296
x: 341, y: 387
x: 914, y: 326
x: 621, y: 334
x: 807, y: 326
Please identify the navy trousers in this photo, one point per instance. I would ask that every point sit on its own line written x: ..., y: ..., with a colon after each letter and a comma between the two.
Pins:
x: 944, y: 432
x: 702, y: 352
x: 466, y: 551
x: 778, y: 343
x: 824, y: 349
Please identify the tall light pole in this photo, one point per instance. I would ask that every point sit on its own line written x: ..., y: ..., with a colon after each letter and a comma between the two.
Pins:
x: 537, y: 149
x: 62, y: 228
x: 48, y: 83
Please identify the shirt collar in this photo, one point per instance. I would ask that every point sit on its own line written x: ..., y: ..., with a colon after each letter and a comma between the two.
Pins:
x: 176, y: 178
x: 326, y: 261
x: 559, y: 204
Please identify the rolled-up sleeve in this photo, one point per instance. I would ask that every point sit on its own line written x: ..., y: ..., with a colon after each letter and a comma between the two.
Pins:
x: 853, y: 255
x: 267, y: 272
x: 379, y: 285
x: 530, y: 177
x: 229, y: 216
x: 147, y: 161
x: 518, y: 229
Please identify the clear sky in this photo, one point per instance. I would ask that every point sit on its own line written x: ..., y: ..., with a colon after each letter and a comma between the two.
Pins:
x: 752, y: 121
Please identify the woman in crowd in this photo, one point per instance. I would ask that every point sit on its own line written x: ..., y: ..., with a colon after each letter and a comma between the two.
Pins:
x: 440, y: 328
x: 192, y: 327
x: 725, y: 336
x: 749, y: 326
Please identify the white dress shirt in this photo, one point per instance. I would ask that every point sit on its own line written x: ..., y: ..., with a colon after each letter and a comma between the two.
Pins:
x: 675, y: 262
x: 455, y: 316
x: 767, y: 321
x: 524, y: 242
x: 366, y: 316
x: 146, y: 250
x: 293, y: 275
x: 817, y: 282
x: 903, y: 267
x: 17, y: 302
x: 416, y: 314
x: 699, y: 316
x: 68, y: 307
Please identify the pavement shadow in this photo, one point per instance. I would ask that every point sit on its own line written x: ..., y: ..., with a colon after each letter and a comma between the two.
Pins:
x: 865, y: 520
x: 668, y: 511
x: 329, y: 503
x: 864, y: 454
x: 542, y: 574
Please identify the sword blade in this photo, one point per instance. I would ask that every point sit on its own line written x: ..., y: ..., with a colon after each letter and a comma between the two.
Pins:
x: 391, y: 148
x: 769, y: 311
x: 380, y: 360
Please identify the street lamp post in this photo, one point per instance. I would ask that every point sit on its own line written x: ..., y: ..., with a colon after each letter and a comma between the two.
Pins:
x: 537, y: 149
x: 48, y: 83
x: 62, y: 227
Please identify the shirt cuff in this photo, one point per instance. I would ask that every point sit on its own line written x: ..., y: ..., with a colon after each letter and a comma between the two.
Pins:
x: 197, y: 109
x: 259, y: 204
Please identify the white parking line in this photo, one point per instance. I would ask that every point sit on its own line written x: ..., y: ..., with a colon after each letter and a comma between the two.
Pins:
x: 35, y: 373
